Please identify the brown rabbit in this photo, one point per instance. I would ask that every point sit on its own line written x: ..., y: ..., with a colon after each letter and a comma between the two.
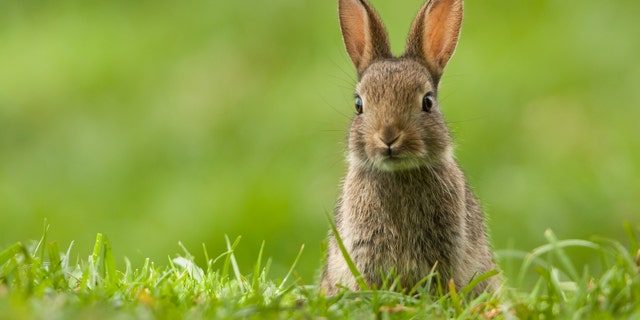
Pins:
x: 405, y: 203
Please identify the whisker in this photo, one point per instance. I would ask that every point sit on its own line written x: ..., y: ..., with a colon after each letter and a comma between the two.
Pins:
x: 466, y: 120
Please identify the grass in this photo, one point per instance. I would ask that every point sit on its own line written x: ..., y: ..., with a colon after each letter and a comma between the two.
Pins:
x: 40, y: 280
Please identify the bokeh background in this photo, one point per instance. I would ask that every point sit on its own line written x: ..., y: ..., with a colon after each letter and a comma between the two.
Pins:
x: 160, y: 121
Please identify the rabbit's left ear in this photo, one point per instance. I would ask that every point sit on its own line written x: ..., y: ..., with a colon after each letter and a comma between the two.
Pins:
x: 434, y: 34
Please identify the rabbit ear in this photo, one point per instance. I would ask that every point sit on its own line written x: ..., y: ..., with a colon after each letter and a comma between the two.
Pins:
x: 434, y: 34
x: 363, y: 33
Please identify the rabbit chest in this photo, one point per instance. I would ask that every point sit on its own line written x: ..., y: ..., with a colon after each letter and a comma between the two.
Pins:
x: 403, y: 222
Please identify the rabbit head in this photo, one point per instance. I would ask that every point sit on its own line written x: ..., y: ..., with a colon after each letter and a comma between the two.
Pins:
x: 398, y: 123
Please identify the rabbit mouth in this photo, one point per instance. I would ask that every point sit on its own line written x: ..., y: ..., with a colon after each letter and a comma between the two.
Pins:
x: 394, y: 160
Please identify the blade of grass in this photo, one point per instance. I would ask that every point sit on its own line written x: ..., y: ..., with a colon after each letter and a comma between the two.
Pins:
x: 455, y: 298
x: 232, y: 259
x: 295, y: 262
x: 109, y: 263
x: 86, y: 275
x: 554, y: 277
x: 93, y: 269
x: 564, y: 259
x: 41, y: 243
x: 206, y: 258
x: 621, y: 253
x: 473, y: 283
x: 95, y: 255
x: 65, y: 259
x: 428, y: 279
x: 265, y: 270
x: 535, y: 254
x: 256, y: 270
x: 10, y: 252
x: 535, y: 292
x: 145, y: 272
x: 352, y: 266
x: 226, y: 255
x: 54, y: 256
x: 187, y: 254
x: 128, y: 271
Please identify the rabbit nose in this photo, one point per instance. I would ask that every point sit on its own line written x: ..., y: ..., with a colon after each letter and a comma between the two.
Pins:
x: 389, y: 136
x: 389, y: 141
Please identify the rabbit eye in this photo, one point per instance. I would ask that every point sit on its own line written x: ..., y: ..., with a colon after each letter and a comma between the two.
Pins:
x: 427, y: 102
x: 358, y: 104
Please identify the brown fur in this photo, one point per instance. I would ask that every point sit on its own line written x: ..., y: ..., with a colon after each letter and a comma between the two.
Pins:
x: 405, y: 203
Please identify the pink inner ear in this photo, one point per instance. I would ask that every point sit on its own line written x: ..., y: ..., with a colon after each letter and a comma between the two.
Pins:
x: 442, y: 28
x: 435, y: 41
x: 353, y: 23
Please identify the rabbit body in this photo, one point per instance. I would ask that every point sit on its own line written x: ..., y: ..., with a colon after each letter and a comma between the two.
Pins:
x: 405, y: 205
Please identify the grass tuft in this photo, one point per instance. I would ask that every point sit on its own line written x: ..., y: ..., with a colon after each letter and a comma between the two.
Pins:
x: 38, y: 280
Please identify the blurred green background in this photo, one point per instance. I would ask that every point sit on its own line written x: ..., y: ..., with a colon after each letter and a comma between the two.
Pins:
x: 160, y: 121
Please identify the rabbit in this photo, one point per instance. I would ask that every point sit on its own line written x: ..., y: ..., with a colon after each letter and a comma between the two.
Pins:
x: 405, y: 207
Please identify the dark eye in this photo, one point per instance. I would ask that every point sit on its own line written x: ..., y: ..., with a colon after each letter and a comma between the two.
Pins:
x: 427, y: 102
x: 358, y: 104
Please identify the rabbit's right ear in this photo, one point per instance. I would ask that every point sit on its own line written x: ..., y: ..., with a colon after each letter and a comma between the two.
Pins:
x: 363, y: 33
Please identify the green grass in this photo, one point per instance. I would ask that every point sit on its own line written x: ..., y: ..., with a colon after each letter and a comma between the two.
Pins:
x: 40, y: 280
